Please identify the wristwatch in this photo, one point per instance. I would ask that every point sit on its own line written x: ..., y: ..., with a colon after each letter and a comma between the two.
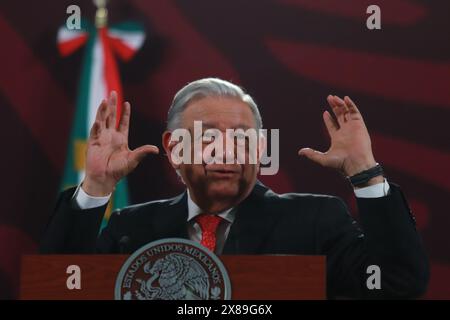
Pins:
x: 363, y: 177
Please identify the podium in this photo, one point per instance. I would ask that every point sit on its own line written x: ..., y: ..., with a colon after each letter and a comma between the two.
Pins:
x: 256, y: 277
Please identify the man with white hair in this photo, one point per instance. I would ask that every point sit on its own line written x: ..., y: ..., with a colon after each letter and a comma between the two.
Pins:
x: 225, y: 207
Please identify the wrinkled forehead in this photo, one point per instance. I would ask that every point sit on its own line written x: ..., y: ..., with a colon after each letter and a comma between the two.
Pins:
x: 218, y: 112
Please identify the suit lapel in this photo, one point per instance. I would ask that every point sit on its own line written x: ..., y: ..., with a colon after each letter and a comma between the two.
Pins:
x: 248, y: 233
x: 173, y: 221
x: 252, y: 224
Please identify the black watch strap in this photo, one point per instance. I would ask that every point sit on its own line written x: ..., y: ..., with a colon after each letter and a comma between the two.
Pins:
x: 364, y: 176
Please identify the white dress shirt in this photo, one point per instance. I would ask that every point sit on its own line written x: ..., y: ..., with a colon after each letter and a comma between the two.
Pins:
x: 85, y: 201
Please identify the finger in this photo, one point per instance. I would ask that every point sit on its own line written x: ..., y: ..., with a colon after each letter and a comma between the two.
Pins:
x: 112, y: 101
x: 351, y: 105
x: 330, y: 123
x: 339, y: 101
x: 339, y: 108
x: 109, y: 121
x: 335, y: 106
x: 314, y: 155
x: 139, y: 153
x: 354, y: 113
x: 102, y: 112
x: 95, y: 130
x: 125, y: 119
x: 342, y: 104
x: 112, y: 106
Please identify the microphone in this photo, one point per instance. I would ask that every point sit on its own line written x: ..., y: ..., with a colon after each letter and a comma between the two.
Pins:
x: 123, y: 244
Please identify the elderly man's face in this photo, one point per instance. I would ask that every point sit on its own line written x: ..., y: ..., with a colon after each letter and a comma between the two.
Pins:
x: 221, y: 183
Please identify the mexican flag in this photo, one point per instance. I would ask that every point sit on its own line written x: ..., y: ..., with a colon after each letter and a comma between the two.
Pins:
x: 99, y: 76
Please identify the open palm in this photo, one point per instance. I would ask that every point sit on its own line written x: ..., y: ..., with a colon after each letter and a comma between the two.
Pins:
x: 350, y: 151
x: 108, y: 157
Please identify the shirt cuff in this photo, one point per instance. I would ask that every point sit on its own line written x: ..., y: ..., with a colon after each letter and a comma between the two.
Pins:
x: 85, y: 201
x: 375, y: 191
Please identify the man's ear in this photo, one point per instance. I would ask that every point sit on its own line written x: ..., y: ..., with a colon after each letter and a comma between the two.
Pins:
x: 168, y: 146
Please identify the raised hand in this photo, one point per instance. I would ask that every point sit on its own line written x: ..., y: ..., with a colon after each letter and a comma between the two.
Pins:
x: 108, y: 157
x: 350, y: 151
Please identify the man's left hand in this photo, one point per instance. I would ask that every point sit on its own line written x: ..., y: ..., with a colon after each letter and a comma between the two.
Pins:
x: 351, y: 150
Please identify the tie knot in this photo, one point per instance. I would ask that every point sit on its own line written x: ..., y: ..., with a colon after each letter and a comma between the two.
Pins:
x: 208, y: 222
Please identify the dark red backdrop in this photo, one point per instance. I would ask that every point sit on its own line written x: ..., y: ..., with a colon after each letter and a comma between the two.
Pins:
x: 289, y: 54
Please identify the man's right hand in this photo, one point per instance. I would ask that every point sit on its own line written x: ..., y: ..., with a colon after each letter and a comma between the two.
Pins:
x: 108, y: 158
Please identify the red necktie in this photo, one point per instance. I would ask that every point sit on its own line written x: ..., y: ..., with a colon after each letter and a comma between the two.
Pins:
x: 208, y: 223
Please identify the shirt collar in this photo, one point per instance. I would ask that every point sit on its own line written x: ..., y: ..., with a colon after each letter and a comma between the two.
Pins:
x: 194, y: 210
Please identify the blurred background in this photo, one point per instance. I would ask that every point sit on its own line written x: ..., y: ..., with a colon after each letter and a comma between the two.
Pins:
x: 288, y: 54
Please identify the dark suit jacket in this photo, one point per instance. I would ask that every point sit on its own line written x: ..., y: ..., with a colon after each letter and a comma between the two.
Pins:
x: 271, y: 223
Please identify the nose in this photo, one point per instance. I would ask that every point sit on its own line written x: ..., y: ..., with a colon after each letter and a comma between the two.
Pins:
x: 228, y: 148
x: 228, y: 151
